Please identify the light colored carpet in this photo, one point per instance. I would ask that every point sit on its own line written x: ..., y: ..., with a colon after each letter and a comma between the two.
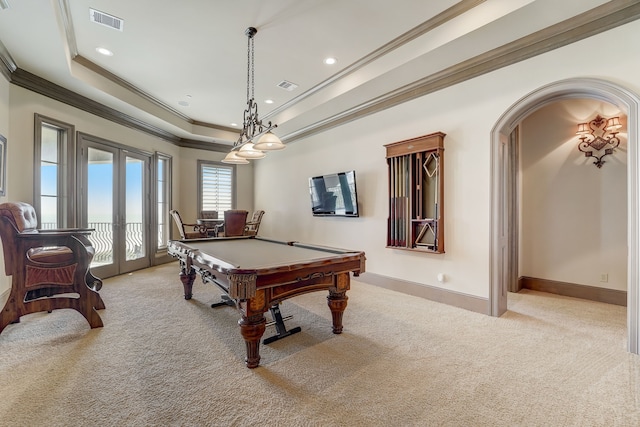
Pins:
x: 402, y: 361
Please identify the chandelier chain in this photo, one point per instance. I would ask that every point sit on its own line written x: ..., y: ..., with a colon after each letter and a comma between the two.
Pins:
x: 249, y: 68
x: 252, y: 127
x: 253, y: 74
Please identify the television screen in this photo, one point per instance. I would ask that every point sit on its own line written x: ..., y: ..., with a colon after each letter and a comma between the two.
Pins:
x: 334, y: 194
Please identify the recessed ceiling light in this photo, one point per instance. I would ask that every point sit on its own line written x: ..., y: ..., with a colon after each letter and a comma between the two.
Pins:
x: 268, y: 101
x: 104, y: 51
x: 330, y: 61
x: 234, y: 124
x: 183, y: 103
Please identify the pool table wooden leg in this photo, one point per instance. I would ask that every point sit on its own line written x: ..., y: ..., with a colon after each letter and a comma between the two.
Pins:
x: 187, y: 278
x: 337, y: 302
x: 337, y: 299
x: 252, y: 329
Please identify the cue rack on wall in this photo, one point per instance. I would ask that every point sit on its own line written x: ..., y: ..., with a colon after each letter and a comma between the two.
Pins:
x: 416, y: 190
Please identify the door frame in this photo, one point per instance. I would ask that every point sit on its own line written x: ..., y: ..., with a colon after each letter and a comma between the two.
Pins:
x: 119, y: 266
x: 502, y: 218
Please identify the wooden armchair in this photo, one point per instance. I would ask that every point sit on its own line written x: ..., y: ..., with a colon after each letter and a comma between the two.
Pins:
x: 252, y: 226
x: 198, y: 231
x: 234, y: 222
x: 49, y: 268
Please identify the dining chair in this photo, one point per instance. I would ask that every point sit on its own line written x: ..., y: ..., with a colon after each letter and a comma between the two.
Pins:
x: 188, y: 231
x: 252, y: 226
x: 234, y: 222
x: 208, y: 215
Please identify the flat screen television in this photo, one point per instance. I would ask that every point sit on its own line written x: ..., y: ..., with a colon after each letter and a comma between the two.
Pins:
x: 334, y: 194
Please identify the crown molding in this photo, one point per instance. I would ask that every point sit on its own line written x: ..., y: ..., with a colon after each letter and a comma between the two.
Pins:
x: 92, y: 66
x: 7, y: 64
x: 37, y: 84
x: 592, y: 22
x: 587, y: 24
x: 429, y: 25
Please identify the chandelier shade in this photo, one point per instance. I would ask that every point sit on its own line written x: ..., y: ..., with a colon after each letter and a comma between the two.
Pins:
x: 232, y: 157
x: 252, y: 126
x: 614, y: 124
x: 247, y: 151
x: 269, y: 142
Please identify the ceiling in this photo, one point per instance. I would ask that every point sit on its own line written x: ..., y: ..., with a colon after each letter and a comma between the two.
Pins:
x: 194, y: 52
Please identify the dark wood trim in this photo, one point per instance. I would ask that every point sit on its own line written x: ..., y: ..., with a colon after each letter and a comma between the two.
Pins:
x: 456, y: 299
x: 51, y: 90
x: 203, y: 145
x: 592, y: 293
x: 92, y: 66
x: 597, y: 20
x: 128, y: 86
x: 46, y: 88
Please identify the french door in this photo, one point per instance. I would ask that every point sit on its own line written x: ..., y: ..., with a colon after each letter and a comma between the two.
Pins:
x: 115, y: 189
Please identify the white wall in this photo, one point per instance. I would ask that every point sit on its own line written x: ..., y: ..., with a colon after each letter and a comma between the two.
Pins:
x: 573, y: 214
x: 186, y: 171
x: 18, y: 106
x: 466, y: 113
x: 4, y: 106
x: 24, y: 104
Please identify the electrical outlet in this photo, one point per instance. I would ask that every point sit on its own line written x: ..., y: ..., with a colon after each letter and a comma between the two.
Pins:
x: 604, y: 277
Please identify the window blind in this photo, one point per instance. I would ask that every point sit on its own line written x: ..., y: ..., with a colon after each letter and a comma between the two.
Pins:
x: 217, y: 187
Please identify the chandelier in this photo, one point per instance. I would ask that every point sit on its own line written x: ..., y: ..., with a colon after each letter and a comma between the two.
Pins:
x: 255, y: 137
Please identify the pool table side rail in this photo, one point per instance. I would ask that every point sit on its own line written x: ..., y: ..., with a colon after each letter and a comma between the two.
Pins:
x: 241, y: 283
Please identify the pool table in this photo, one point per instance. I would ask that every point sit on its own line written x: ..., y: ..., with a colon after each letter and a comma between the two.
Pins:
x: 258, y: 273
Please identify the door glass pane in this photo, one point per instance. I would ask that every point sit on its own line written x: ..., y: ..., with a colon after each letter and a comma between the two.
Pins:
x: 48, y: 219
x: 162, y: 199
x: 100, y: 204
x: 48, y: 195
x: 49, y: 178
x: 134, y: 213
x: 49, y: 144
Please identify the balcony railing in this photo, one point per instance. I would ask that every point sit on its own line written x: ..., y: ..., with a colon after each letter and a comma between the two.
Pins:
x: 102, y: 240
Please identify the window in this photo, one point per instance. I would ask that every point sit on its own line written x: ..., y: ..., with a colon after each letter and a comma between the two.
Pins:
x: 54, y: 173
x: 216, y: 186
x: 163, y: 183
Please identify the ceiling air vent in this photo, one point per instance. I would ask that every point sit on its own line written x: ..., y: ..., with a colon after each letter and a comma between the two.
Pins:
x: 286, y: 85
x: 106, y: 19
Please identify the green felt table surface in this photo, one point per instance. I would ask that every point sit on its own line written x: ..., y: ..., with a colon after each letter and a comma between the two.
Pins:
x: 259, y: 253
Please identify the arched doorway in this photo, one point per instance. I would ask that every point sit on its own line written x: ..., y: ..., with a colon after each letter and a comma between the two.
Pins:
x: 503, y: 243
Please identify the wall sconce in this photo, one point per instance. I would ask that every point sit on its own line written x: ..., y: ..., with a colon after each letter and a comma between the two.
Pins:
x: 599, y: 134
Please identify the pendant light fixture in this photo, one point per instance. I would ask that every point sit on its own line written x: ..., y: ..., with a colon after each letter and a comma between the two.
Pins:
x: 252, y: 128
